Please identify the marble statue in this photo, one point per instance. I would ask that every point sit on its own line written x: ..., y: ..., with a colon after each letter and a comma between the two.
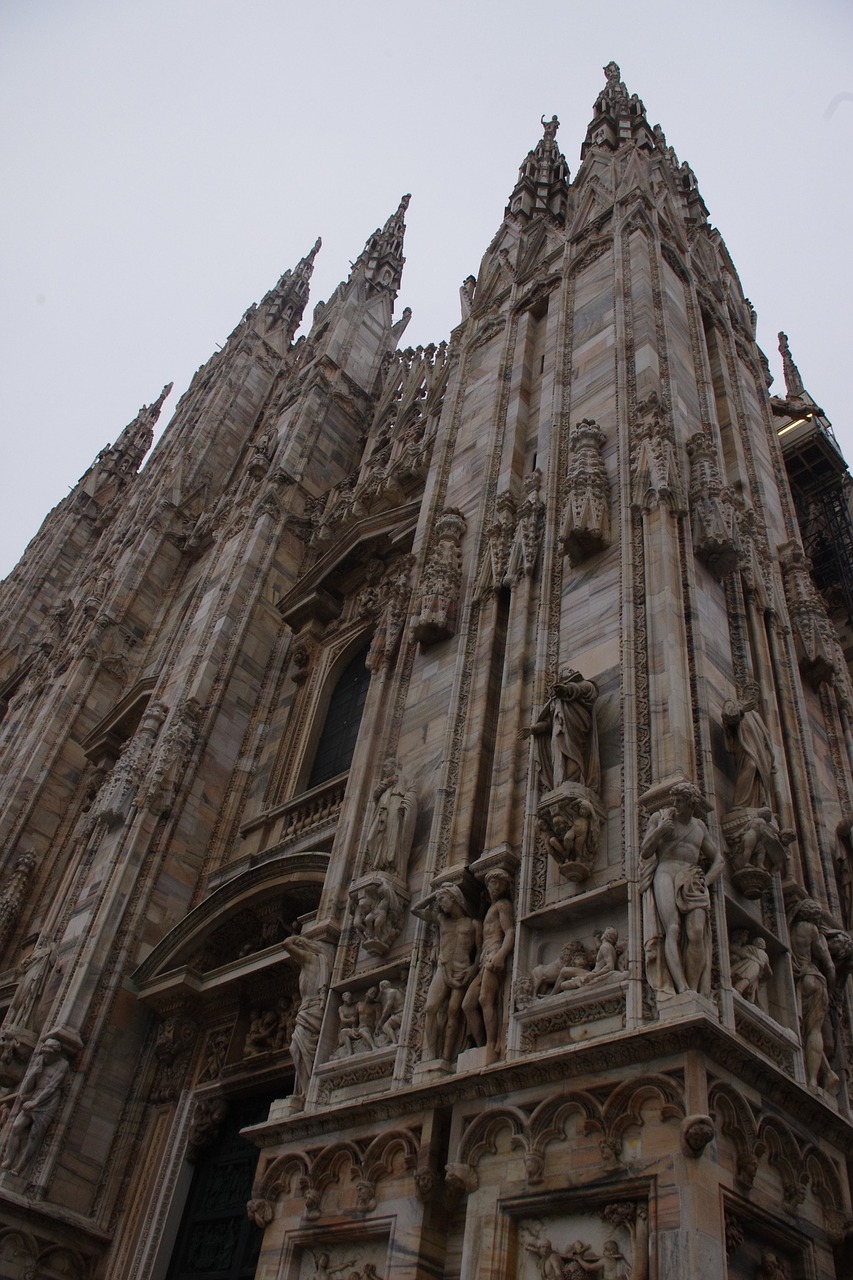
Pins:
x: 456, y: 967
x: 37, y: 1103
x: 482, y: 1003
x: 676, y: 902
x: 749, y: 741
x: 566, y: 734
x: 392, y: 826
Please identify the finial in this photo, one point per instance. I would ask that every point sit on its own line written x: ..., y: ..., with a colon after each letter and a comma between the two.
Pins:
x: 793, y: 381
x: 612, y: 72
x: 158, y: 403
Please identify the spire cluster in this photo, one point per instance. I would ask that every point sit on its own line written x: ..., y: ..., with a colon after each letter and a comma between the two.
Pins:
x: 381, y: 260
x: 286, y: 301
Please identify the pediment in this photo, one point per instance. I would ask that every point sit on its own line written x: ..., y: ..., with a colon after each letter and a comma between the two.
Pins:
x: 316, y: 593
x: 236, y: 932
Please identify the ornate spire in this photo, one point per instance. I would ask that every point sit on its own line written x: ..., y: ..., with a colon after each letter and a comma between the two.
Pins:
x: 543, y: 179
x: 134, y: 442
x: 793, y: 382
x: 617, y: 117
x: 381, y: 260
x: 286, y: 301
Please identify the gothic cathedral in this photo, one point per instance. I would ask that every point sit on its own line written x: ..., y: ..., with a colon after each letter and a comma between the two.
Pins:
x: 427, y: 785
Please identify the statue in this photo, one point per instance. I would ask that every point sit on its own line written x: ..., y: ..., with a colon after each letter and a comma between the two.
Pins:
x: 377, y: 913
x: 567, y: 736
x: 458, y: 948
x: 315, y: 965
x: 749, y: 741
x: 37, y: 1103
x: 482, y: 1003
x: 551, y: 1262
x: 436, y: 606
x: 763, y: 844
x: 750, y: 964
x: 676, y: 901
x: 392, y: 827
x: 814, y: 971
x: 34, y: 971
x: 390, y: 1013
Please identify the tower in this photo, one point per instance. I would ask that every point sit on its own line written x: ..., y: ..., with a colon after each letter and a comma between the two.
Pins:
x: 427, y: 786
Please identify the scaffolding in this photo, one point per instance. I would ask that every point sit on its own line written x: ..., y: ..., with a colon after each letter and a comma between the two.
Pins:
x: 821, y: 487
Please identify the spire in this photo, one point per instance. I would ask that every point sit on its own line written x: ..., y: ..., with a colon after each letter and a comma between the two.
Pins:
x: 617, y: 117
x: 381, y: 260
x: 543, y: 179
x: 793, y: 382
x: 285, y: 302
x: 138, y: 436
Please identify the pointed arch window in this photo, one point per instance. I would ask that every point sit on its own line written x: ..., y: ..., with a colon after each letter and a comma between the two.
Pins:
x: 340, y: 728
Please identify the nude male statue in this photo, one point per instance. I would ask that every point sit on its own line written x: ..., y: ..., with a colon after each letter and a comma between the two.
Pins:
x: 677, y: 905
x: 482, y: 1003
x: 458, y: 946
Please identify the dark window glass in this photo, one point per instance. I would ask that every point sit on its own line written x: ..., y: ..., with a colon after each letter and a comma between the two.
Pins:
x: 340, y: 729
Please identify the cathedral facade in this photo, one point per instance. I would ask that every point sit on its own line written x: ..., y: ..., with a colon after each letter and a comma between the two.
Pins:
x: 427, y: 785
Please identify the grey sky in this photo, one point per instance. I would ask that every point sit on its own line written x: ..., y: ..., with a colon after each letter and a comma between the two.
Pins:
x: 164, y: 161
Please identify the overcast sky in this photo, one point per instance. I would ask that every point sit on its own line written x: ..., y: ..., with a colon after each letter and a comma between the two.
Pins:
x: 164, y: 161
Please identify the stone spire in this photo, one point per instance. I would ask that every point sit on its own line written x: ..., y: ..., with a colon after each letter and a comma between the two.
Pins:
x: 125, y: 456
x: 793, y: 382
x: 543, y: 179
x: 381, y: 260
x: 286, y: 301
x: 617, y: 117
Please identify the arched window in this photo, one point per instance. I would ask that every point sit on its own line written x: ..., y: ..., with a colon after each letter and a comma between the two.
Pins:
x: 340, y: 728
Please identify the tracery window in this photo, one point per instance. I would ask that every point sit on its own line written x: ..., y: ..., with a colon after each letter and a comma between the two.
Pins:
x: 340, y: 728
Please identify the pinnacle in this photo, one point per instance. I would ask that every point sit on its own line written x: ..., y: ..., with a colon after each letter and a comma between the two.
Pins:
x: 543, y: 178
x: 618, y: 116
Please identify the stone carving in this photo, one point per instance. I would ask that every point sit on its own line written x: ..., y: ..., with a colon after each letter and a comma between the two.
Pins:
x: 117, y: 793
x: 208, y: 1119
x: 770, y: 1268
x: 456, y: 967
x: 170, y: 759
x: 814, y: 972
x: 172, y: 1049
x: 676, y: 902
x: 748, y: 739
x: 434, y: 611
x: 378, y: 912
x: 494, y: 571
x: 793, y: 381
x: 712, y: 511
x: 586, y: 523
x: 34, y: 971
x: 14, y: 895
x: 392, y: 827
x: 263, y: 1032
x: 524, y: 552
x: 814, y: 638
x: 261, y: 1212
x: 569, y: 828
x: 758, y: 849
x: 37, y: 1103
x: 482, y: 1003
x: 579, y: 1260
x: 654, y: 464
x: 214, y: 1058
x: 394, y: 592
x: 750, y: 963
x: 315, y: 965
x: 696, y: 1132
x: 566, y: 734
x: 576, y: 967
x: 359, y: 1029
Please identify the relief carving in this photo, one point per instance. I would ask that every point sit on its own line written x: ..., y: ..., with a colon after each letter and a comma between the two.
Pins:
x: 14, y: 895
x: 37, y: 1103
x: 393, y: 601
x: 576, y: 967
x: 586, y: 523
x: 712, y: 511
x: 372, y: 1022
x: 654, y: 465
x: 208, y: 1118
x: 435, y: 609
x: 524, y: 551
x: 678, y: 863
x: 814, y: 637
x: 378, y: 912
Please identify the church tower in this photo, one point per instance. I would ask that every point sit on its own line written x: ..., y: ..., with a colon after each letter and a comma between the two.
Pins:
x: 427, y: 784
